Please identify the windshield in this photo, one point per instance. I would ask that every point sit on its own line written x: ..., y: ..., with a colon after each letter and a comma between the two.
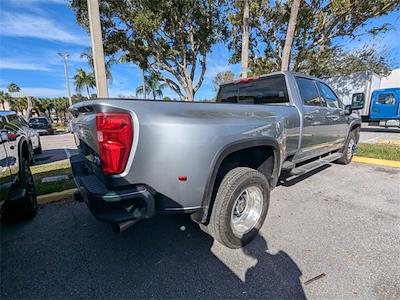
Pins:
x: 38, y: 120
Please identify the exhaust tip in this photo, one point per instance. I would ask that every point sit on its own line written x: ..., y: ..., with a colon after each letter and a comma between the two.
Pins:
x: 120, y: 227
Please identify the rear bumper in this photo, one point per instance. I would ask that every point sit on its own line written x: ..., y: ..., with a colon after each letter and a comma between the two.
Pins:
x: 111, y: 206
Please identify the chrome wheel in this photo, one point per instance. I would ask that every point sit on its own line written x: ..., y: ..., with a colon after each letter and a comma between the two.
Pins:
x: 351, y: 149
x: 247, y: 210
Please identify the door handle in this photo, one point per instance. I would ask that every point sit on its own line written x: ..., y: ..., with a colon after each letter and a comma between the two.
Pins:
x: 12, y: 147
x: 333, y: 117
x: 308, y: 117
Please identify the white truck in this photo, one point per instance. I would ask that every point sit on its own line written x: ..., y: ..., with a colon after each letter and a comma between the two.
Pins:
x: 363, y: 84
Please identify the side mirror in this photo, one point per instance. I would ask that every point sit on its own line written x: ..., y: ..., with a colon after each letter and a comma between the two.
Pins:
x: 357, y: 101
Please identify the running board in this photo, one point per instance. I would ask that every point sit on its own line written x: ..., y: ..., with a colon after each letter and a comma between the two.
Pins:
x: 315, y: 164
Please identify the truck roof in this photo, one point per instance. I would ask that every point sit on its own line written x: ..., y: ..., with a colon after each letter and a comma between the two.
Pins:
x: 270, y: 74
x: 394, y: 89
x: 7, y: 112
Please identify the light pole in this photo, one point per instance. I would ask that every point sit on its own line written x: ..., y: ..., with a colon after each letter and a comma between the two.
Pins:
x: 97, y: 48
x: 65, y: 56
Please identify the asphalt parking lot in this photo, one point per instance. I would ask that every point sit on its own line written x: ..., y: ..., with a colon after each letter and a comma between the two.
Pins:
x: 56, y: 147
x: 341, y: 221
x: 375, y: 134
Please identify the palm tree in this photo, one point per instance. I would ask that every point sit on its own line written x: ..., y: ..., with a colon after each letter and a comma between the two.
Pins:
x: 125, y: 59
x: 153, y: 85
x: 84, y: 80
x: 13, y: 88
x: 18, y: 104
x: 88, y: 55
x: 290, y: 35
x: 4, y: 98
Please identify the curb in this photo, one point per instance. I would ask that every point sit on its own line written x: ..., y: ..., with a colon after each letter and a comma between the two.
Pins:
x: 375, y: 161
x: 56, y: 197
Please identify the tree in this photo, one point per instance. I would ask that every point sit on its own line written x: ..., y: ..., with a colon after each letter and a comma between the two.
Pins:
x: 13, y: 88
x: 18, y: 104
x: 88, y: 55
x: 167, y: 38
x: 48, y: 106
x: 152, y: 85
x: 4, y: 98
x: 84, y: 80
x: 290, y: 35
x: 221, y: 78
x: 125, y: 59
x: 320, y: 23
x: 245, y: 38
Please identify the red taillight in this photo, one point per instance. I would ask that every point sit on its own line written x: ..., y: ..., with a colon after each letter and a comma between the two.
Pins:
x: 114, y: 137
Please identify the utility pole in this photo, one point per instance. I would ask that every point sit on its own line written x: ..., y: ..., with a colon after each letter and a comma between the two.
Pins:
x: 65, y: 56
x: 245, y: 38
x: 97, y: 48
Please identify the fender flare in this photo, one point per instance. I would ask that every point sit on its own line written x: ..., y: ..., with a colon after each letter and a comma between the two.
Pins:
x: 201, y: 216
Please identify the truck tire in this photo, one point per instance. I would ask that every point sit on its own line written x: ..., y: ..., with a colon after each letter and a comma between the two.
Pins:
x: 348, y: 150
x: 240, y: 207
x: 26, y: 208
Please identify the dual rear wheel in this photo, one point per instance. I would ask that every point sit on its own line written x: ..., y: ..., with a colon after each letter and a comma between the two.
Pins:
x: 240, y: 207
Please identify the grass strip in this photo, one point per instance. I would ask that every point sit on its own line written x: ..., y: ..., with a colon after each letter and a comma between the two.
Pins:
x: 52, y: 169
x: 379, y: 151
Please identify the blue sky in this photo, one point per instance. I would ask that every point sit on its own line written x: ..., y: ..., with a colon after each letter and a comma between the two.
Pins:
x: 32, y: 32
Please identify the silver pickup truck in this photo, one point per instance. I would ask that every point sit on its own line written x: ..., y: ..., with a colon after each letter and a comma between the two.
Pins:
x: 216, y: 161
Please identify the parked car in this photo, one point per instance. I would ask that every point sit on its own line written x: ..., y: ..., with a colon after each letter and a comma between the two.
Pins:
x: 42, y: 125
x: 215, y: 161
x: 17, y: 190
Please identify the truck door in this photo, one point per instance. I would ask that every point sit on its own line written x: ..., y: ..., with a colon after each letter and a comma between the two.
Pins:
x: 5, y: 175
x: 314, y: 139
x: 384, y: 106
x: 11, y: 145
x: 335, y: 118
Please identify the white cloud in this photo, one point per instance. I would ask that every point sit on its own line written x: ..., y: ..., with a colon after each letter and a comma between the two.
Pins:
x: 38, y: 1
x: 214, y: 70
x: 41, y: 92
x: 12, y: 65
x: 34, y: 26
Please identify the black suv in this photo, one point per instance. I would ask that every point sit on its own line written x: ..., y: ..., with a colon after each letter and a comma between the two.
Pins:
x: 42, y: 125
x: 17, y: 190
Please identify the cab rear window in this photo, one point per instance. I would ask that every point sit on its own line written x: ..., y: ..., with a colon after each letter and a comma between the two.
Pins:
x: 270, y: 89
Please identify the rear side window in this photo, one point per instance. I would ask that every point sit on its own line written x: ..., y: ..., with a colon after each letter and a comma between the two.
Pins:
x: 388, y: 99
x: 328, y: 95
x: 271, y: 89
x: 308, y: 91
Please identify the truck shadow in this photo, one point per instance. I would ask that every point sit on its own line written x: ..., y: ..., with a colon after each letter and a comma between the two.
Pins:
x: 165, y: 257
x: 53, y: 155
x: 288, y: 180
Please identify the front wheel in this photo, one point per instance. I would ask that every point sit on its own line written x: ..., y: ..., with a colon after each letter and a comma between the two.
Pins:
x: 240, y: 207
x: 348, y: 150
x: 25, y: 208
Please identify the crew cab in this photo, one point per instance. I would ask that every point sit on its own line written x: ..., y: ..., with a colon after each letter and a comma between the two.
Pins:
x: 17, y: 190
x: 216, y: 161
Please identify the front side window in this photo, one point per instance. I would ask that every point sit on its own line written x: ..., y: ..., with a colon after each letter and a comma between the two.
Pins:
x: 388, y: 99
x: 270, y: 89
x: 328, y: 95
x: 13, y: 119
x: 308, y: 91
